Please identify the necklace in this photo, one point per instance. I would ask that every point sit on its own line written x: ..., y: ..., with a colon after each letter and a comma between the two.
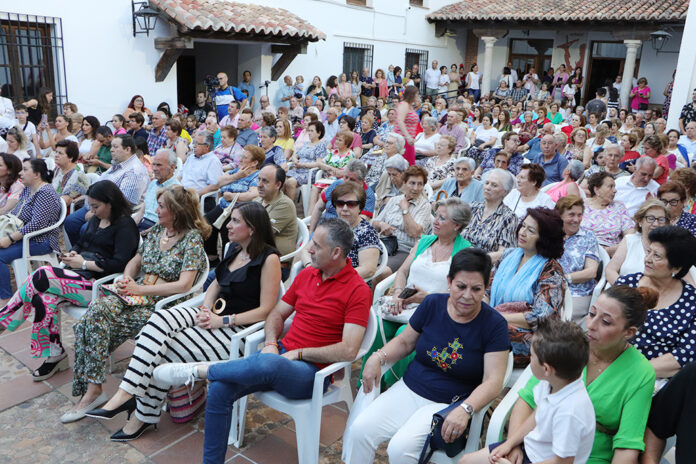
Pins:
x: 165, y: 238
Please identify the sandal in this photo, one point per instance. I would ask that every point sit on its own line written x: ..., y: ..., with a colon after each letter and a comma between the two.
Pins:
x: 47, y: 369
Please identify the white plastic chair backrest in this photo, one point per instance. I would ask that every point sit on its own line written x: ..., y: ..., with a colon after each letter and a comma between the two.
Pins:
x: 383, y: 260
x: 370, y: 334
x: 302, y: 233
x: 93, y: 177
x: 567, y: 314
x: 548, y: 187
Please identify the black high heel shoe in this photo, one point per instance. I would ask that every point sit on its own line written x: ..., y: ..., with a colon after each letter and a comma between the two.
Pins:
x: 120, y: 436
x: 101, y: 413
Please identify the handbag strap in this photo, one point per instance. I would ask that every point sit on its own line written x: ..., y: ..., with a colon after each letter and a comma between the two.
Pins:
x: 427, y: 451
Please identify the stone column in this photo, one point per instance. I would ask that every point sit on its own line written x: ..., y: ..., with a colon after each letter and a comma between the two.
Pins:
x: 487, y: 64
x: 628, y: 71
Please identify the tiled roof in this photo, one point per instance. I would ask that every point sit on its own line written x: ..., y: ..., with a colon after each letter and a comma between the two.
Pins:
x: 237, y: 18
x: 563, y: 10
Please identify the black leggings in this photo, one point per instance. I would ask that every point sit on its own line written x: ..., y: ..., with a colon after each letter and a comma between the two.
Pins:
x: 673, y: 411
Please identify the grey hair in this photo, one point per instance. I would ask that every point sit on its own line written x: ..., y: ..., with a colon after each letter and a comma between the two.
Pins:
x: 269, y: 131
x: 358, y: 167
x: 171, y: 156
x: 508, y: 179
x: 397, y: 162
x: 472, y: 163
x: 458, y: 210
x: 527, y: 113
x: 400, y: 142
x: 338, y: 234
x: 576, y: 169
x: 208, y: 139
x: 429, y: 120
x: 643, y: 160
x: 615, y: 145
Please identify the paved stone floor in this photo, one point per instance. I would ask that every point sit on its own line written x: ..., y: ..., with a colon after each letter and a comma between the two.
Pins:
x: 31, y: 432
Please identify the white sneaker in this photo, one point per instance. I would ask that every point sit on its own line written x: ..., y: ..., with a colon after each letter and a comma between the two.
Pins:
x: 175, y: 374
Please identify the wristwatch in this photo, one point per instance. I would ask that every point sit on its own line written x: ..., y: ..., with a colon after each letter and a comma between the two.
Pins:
x: 226, y: 321
x: 404, y: 212
x: 468, y: 408
x: 84, y: 265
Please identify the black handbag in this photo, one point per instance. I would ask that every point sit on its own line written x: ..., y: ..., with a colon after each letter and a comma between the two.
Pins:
x: 391, y: 244
x: 435, y: 442
x: 642, y: 106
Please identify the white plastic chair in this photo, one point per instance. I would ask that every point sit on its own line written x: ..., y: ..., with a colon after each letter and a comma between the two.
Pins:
x: 201, y: 200
x: 475, y: 426
x: 302, y: 241
x: 567, y: 314
x: 501, y: 414
x: 307, y: 413
x: 599, y: 288
x: 306, y: 189
x: 21, y: 266
x: 383, y: 260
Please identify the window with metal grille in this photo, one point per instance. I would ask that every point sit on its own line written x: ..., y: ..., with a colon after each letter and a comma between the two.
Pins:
x: 357, y: 56
x: 31, y: 57
x: 419, y: 57
x: 415, y: 2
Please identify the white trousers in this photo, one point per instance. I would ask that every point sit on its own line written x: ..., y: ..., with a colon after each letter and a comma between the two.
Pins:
x: 398, y: 414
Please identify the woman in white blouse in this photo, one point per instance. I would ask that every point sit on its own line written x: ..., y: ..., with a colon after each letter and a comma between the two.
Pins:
x: 425, y: 141
x: 528, y: 193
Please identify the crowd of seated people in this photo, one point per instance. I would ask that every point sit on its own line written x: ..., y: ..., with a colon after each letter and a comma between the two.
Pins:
x: 490, y: 211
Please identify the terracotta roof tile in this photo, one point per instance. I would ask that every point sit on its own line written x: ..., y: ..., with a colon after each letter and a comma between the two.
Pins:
x: 563, y: 10
x: 242, y: 18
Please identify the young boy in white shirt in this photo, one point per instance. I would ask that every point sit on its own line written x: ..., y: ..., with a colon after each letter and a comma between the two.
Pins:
x: 562, y: 429
x: 29, y: 129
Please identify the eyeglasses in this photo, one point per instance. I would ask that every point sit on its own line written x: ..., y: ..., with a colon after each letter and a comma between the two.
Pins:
x: 343, y: 203
x: 660, y: 220
x: 670, y: 202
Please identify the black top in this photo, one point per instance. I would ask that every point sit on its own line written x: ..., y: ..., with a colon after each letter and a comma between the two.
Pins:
x: 111, y: 247
x: 139, y: 133
x: 241, y: 288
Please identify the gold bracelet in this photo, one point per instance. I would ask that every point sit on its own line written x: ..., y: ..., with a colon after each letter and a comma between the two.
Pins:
x: 299, y: 354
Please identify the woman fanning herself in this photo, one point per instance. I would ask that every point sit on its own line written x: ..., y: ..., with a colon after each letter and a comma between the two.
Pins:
x: 247, y: 280
x: 458, y: 327
x: 96, y: 254
x: 529, y: 283
x: 170, y: 258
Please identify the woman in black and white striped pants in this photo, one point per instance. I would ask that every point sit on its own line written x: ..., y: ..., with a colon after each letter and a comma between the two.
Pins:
x: 247, y: 279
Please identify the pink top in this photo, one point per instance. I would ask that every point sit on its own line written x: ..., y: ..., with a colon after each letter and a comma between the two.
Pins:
x: 16, y: 190
x: 639, y: 98
x: 608, y: 224
x: 344, y: 90
x: 411, y: 122
x: 559, y: 190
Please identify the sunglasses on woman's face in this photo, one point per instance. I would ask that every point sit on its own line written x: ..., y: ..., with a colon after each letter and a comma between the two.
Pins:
x: 342, y: 203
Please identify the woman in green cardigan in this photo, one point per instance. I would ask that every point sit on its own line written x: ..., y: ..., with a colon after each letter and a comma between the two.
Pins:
x: 425, y: 270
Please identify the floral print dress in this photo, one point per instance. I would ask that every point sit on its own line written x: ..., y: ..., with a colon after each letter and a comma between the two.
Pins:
x: 441, y: 172
x: 109, y: 322
x: 307, y: 154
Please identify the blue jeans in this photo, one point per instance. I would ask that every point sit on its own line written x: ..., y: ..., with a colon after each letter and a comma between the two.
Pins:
x: 9, y: 254
x: 75, y: 224
x: 234, y: 379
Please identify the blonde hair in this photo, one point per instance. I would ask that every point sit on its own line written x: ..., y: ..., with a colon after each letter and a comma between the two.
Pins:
x: 643, y: 211
x: 184, y: 206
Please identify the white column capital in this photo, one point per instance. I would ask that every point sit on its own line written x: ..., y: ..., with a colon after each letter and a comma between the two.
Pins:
x: 632, y: 44
x: 489, y: 41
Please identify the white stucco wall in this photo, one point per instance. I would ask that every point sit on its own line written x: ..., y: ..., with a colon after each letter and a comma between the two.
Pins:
x: 105, y: 64
x: 390, y: 25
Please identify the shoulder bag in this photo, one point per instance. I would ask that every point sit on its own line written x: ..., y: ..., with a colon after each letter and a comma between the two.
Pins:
x: 435, y: 442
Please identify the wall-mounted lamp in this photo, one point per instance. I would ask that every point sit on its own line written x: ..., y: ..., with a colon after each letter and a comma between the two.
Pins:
x: 659, y: 38
x: 144, y: 18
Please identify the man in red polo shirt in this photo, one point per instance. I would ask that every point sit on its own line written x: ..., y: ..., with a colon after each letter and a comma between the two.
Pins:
x: 332, y: 306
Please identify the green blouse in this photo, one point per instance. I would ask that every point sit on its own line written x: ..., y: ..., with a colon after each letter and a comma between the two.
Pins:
x: 621, y: 396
